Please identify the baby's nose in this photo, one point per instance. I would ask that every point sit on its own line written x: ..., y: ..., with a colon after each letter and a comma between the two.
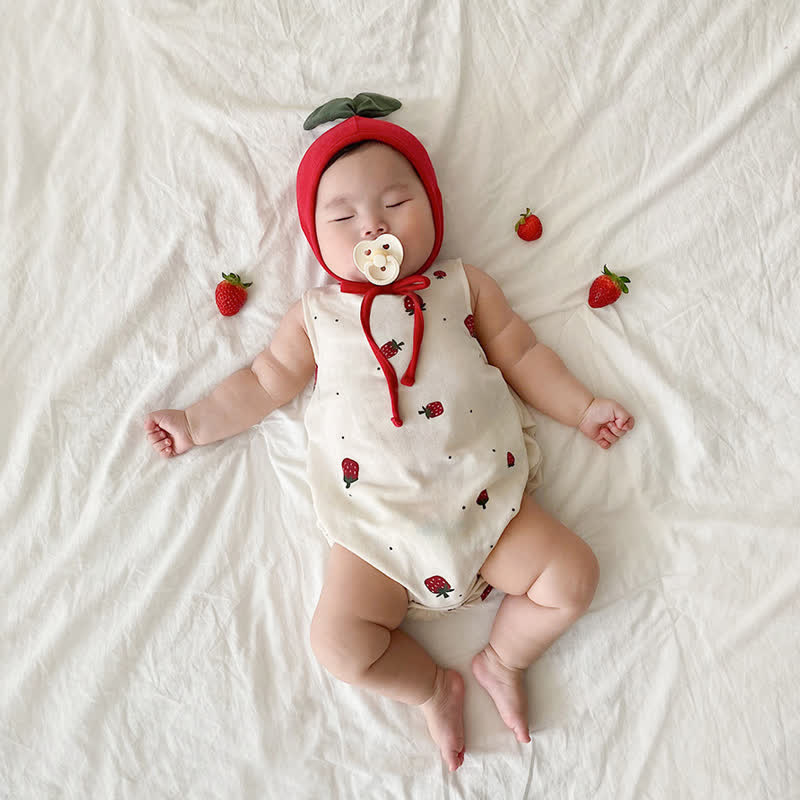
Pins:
x: 372, y: 230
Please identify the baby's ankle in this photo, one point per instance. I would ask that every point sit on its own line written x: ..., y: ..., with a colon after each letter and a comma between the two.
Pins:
x: 495, y: 660
x: 438, y: 687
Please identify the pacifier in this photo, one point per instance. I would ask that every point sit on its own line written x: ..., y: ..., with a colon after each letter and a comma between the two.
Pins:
x: 379, y: 259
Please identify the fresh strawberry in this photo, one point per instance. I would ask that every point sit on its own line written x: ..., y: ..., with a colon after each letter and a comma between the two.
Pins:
x: 438, y: 586
x: 510, y: 459
x: 469, y: 321
x: 529, y: 226
x: 432, y: 410
x: 607, y: 288
x: 231, y: 294
x: 350, y: 471
x: 483, y: 499
x: 392, y: 348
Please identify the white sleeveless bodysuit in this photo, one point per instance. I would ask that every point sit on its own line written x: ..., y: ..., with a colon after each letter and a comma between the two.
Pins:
x: 425, y: 502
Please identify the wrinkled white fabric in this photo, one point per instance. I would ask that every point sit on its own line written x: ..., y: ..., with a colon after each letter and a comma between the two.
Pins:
x: 154, y: 614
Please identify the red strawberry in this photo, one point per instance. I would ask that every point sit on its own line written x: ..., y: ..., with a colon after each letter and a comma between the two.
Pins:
x: 231, y: 294
x: 432, y: 410
x: 483, y: 499
x: 409, y: 305
x: 438, y: 586
x: 392, y: 348
x: 470, y: 323
x: 510, y: 459
x: 485, y: 592
x: 607, y: 288
x: 350, y: 471
x: 439, y: 274
x: 529, y: 226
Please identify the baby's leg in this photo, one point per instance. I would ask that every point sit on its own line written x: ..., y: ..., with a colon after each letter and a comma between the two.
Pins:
x: 549, y: 575
x: 354, y: 635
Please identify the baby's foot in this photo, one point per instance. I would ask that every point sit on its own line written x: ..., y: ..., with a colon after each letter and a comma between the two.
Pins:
x: 506, y: 686
x: 444, y: 713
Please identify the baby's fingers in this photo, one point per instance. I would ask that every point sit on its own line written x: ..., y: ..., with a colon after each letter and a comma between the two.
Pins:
x: 624, y: 421
x: 605, y: 438
x: 157, y: 436
x: 616, y: 429
x: 161, y: 441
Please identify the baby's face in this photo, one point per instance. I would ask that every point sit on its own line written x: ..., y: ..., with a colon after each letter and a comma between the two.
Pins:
x: 364, y: 194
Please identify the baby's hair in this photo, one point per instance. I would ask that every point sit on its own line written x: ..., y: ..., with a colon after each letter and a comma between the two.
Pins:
x: 349, y: 148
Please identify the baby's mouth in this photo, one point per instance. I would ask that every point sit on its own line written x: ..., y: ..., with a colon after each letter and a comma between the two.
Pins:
x: 379, y: 259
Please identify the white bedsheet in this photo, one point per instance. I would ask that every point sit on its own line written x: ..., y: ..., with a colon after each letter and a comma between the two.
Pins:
x: 154, y: 615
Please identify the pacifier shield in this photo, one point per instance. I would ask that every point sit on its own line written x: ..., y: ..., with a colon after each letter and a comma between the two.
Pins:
x: 379, y: 259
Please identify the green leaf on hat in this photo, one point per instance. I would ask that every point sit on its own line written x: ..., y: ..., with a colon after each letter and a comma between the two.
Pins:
x: 369, y: 104
x: 366, y: 104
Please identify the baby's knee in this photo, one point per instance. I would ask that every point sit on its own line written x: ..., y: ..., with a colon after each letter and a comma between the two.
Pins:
x: 585, y: 575
x: 347, y: 648
x: 570, y: 580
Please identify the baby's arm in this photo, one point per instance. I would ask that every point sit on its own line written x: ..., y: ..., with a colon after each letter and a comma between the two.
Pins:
x: 277, y: 375
x: 534, y: 371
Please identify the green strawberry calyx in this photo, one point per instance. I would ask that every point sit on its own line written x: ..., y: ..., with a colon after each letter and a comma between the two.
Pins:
x: 523, y: 218
x: 619, y: 280
x: 235, y: 280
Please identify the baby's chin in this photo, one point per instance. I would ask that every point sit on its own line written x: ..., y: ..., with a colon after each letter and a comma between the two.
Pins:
x: 351, y: 273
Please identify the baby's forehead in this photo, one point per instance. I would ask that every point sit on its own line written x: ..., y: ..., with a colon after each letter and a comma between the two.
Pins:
x: 387, y: 168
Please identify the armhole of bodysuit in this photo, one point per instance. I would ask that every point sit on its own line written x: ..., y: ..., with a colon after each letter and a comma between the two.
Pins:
x: 465, y: 284
x: 311, y: 331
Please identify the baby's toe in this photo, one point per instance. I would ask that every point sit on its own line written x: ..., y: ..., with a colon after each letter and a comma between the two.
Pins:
x: 455, y: 759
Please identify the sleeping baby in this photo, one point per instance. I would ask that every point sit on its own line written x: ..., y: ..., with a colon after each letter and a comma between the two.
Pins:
x: 421, y: 459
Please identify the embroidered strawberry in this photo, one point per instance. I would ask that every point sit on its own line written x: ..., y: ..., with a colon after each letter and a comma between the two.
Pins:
x: 432, y: 410
x: 510, y: 459
x: 392, y: 348
x: 469, y: 321
x: 350, y: 471
x: 438, y: 586
x: 607, y: 288
x: 440, y: 274
x: 483, y: 499
x: 409, y: 305
x: 231, y: 294
x: 529, y: 226
x: 486, y: 591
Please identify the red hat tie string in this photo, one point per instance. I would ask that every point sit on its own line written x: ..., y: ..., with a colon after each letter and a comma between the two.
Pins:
x: 404, y: 286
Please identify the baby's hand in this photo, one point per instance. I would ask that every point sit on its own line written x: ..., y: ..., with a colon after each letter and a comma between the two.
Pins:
x: 605, y: 421
x: 168, y: 432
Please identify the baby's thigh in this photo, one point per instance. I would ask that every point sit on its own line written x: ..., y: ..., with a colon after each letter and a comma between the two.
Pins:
x: 536, y: 548
x: 357, y: 609
x: 354, y: 589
